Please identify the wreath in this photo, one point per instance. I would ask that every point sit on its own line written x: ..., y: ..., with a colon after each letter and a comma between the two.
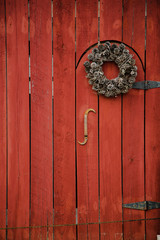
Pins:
x: 127, y: 69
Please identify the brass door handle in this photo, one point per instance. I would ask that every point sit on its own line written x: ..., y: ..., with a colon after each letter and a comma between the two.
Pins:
x: 85, y: 126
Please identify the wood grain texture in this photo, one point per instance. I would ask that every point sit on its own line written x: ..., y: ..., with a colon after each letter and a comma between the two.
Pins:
x: 2, y: 122
x: 110, y: 128
x: 110, y: 20
x: 18, y: 118
x: 111, y: 231
x: 152, y: 229
x: 64, y: 118
x: 86, y: 25
x: 41, y: 118
x: 152, y: 136
x: 133, y: 121
x: 134, y: 230
x: 87, y: 155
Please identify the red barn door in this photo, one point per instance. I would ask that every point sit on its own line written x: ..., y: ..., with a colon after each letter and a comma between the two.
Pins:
x: 51, y: 187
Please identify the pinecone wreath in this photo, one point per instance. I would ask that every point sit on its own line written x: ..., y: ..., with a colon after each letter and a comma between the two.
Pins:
x: 127, y: 69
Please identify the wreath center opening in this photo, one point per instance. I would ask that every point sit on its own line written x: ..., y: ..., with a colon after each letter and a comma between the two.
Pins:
x: 110, y: 69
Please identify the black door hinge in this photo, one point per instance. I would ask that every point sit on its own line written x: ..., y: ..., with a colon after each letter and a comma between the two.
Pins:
x: 146, y: 205
x: 145, y: 85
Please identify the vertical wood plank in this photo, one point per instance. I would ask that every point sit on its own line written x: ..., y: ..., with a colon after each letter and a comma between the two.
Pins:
x: 64, y: 118
x: 41, y: 118
x: 18, y: 118
x: 111, y: 231
x: 152, y: 229
x: 133, y: 121
x: 86, y: 25
x: 134, y: 230
x: 87, y: 155
x: 110, y: 129
x: 152, y: 136
x: 2, y: 122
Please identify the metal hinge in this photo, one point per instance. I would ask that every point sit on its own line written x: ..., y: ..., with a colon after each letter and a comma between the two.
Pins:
x: 145, y: 85
x: 146, y: 205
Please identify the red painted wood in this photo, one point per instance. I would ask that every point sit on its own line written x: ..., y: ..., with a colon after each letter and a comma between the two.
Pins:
x: 110, y: 20
x: 18, y: 118
x: 64, y: 122
x: 41, y: 118
x: 134, y: 230
x: 152, y: 136
x: 111, y: 231
x: 87, y: 155
x: 64, y: 118
x: 2, y: 122
x: 110, y: 129
x: 86, y: 25
x: 133, y: 122
x: 152, y: 229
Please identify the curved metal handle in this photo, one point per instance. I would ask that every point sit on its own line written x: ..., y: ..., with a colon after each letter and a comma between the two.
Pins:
x: 85, y: 126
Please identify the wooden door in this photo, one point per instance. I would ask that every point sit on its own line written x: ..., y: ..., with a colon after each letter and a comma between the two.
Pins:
x: 51, y: 187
